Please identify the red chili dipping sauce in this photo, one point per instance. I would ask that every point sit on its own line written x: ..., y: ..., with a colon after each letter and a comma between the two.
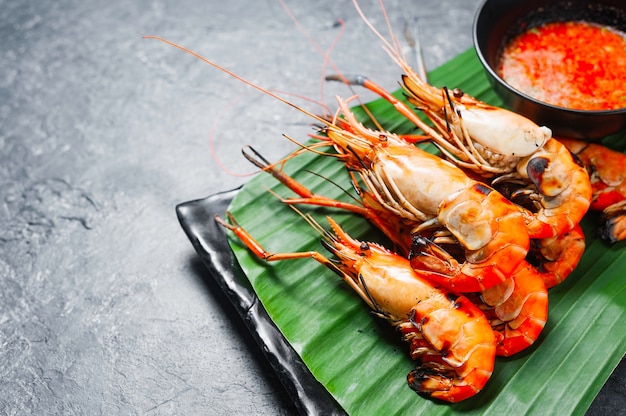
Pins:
x: 575, y: 65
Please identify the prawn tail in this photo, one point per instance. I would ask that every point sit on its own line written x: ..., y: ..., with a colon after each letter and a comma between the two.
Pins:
x: 519, y: 310
x: 430, y: 382
x: 555, y: 258
x: 613, y: 227
x: 454, y: 346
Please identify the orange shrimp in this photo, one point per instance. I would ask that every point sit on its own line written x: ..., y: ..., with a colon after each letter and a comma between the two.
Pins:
x: 495, y: 143
x: 405, y: 182
x: 449, y: 337
x: 557, y: 186
x: 607, y: 172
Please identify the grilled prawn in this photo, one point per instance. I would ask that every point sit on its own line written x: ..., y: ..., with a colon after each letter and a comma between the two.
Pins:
x: 547, y: 180
x: 449, y: 337
x: 499, y: 145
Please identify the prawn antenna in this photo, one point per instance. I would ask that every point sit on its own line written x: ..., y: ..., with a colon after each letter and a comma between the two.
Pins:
x: 341, y: 188
x: 239, y: 78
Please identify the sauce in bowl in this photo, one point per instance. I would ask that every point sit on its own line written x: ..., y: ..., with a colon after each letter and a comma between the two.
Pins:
x: 574, y: 64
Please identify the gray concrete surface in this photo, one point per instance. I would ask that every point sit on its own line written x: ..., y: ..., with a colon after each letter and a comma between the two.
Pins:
x: 105, y: 308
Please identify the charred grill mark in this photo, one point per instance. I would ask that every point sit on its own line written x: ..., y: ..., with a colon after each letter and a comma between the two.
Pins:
x: 484, y: 189
x: 536, y: 168
x: 452, y: 297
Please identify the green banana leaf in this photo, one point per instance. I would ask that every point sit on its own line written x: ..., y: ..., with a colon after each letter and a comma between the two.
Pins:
x: 360, y: 359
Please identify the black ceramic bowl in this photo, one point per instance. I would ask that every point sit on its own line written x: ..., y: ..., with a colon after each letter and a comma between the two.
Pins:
x: 498, y: 21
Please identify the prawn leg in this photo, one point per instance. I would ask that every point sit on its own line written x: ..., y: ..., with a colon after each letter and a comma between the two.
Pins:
x: 258, y: 250
x: 394, y: 229
x: 400, y: 106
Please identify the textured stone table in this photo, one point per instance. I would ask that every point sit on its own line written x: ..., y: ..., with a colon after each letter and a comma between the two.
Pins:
x: 104, y: 306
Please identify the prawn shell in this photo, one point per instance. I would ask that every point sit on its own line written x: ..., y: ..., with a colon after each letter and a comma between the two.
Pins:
x: 492, y: 128
x: 466, y: 217
x: 456, y: 328
x: 497, y: 129
x: 396, y: 164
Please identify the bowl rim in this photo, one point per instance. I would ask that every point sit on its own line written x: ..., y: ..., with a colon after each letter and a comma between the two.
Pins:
x: 503, y: 83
